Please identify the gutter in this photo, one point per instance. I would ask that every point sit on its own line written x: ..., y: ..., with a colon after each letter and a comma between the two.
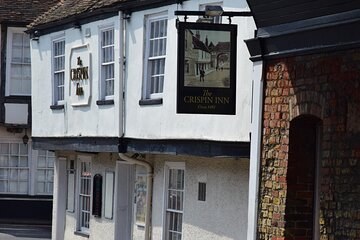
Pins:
x: 149, y: 182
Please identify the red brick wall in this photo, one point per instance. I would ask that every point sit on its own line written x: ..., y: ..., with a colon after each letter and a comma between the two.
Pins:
x: 326, y: 86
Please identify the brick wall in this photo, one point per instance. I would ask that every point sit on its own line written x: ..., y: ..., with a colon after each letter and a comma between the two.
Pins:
x: 326, y: 86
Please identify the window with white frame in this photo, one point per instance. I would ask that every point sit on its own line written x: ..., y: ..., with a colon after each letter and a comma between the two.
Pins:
x: 174, y: 195
x: 107, y: 63
x: 155, y: 53
x: 84, y: 197
x: 45, y: 172
x: 14, y: 168
x: 58, y: 70
x: 18, y: 64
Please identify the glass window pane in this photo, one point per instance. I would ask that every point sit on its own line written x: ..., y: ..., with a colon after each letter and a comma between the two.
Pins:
x: 42, y: 152
x: 50, y: 162
x: 152, y: 29
x: 41, y: 187
x: 41, y: 175
x: 162, y: 28
x: 14, y: 161
x: 16, y: 54
x: 4, y: 161
x: 50, y: 175
x: 26, y: 87
x: 24, y: 161
x: 109, y: 88
x: 17, y: 39
x: 50, y: 188
x: 14, y: 149
x: 4, y: 148
x: 13, y: 174
x: 26, y: 56
x: 41, y: 162
x: 3, y: 174
x: 13, y: 186
x: 151, y: 48
x: 23, y: 187
x: 24, y: 174
x: 157, y: 30
x: 3, y: 186
x: 15, y: 72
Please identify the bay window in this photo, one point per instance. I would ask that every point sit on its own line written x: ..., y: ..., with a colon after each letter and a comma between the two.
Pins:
x: 14, y: 168
x: 24, y: 171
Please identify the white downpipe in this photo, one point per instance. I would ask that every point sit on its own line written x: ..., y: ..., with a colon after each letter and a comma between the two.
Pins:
x: 149, y: 176
x: 149, y: 168
x: 122, y: 69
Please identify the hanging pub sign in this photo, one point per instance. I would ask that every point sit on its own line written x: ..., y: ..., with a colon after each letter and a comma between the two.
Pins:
x: 206, y: 68
x: 80, y: 76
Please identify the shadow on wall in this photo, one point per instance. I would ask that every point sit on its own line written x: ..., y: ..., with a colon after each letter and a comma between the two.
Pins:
x: 327, y: 86
x: 301, y: 177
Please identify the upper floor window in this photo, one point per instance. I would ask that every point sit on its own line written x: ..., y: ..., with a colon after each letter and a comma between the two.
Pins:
x: 58, y: 70
x: 107, y: 63
x: 18, y: 68
x: 155, y: 53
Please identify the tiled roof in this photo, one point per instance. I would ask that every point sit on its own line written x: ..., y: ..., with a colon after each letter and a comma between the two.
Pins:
x: 68, y: 8
x: 23, y: 11
x: 223, y: 47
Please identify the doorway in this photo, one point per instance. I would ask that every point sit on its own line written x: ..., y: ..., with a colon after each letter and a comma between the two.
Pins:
x: 301, y: 213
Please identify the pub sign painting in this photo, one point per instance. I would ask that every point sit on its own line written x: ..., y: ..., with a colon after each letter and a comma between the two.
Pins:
x: 206, y: 68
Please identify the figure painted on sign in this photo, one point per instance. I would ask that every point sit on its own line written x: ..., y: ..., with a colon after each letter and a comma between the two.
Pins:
x: 202, y: 75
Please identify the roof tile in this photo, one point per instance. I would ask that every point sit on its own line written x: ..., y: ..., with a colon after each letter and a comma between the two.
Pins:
x: 23, y: 11
x: 68, y: 8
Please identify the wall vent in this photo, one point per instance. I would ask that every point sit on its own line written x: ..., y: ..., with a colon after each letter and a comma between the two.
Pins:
x: 202, y: 191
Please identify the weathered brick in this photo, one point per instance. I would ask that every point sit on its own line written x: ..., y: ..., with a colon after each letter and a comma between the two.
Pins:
x: 326, y: 86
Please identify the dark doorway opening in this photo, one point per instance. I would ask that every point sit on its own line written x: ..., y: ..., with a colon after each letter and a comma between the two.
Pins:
x: 300, y: 212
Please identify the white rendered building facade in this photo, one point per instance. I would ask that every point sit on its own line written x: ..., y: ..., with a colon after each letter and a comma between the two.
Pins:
x: 26, y: 174
x: 108, y: 81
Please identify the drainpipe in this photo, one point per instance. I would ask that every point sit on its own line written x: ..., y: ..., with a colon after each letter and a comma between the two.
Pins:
x: 122, y: 69
x: 149, y: 173
x: 149, y: 168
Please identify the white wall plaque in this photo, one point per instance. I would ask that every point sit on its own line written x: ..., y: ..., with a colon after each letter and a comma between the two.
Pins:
x: 80, y: 76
